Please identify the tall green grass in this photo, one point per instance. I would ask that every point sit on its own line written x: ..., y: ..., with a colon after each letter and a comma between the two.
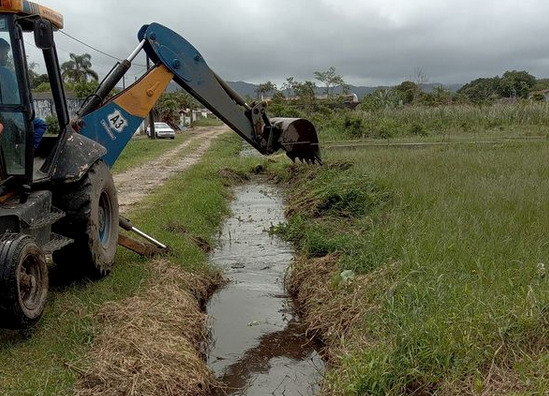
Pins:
x: 517, y: 119
x: 466, y: 227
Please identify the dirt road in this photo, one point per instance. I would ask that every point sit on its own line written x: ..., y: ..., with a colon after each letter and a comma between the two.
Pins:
x: 134, y: 184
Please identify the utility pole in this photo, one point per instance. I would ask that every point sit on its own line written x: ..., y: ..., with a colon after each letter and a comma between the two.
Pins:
x: 151, y: 115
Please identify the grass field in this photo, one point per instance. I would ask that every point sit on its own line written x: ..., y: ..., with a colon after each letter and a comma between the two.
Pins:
x: 449, y: 247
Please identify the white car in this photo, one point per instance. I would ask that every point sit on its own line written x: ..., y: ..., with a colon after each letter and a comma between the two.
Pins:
x: 162, y: 130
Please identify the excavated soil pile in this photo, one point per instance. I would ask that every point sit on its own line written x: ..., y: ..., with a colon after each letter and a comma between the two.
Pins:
x: 152, y: 343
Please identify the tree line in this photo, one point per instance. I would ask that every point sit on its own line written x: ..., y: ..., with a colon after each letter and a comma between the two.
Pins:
x: 513, y: 85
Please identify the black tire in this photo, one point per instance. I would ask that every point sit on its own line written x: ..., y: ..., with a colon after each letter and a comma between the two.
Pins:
x: 91, y: 208
x: 23, y: 281
x: 172, y: 137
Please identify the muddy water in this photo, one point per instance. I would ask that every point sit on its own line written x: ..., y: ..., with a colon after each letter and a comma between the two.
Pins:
x: 259, y: 347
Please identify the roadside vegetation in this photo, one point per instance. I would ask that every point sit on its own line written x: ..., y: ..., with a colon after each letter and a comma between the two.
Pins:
x: 184, y: 212
x: 207, y: 122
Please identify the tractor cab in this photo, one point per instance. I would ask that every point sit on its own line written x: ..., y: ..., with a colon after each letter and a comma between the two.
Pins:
x: 15, y: 103
x: 56, y: 197
x: 20, y: 162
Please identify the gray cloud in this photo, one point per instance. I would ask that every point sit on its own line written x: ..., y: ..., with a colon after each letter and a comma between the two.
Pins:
x: 369, y: 42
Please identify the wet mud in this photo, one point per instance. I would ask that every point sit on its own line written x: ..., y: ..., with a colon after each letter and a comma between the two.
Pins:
x: 259, y: 347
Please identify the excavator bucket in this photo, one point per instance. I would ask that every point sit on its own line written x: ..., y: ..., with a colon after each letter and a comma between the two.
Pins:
x: 298, y: 137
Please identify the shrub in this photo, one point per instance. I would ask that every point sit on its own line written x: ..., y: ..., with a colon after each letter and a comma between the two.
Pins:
x: 53, y: 125
x: 386, y: 128
x: 353, y: 126
x: 284, y: 110
x: 418, y: 129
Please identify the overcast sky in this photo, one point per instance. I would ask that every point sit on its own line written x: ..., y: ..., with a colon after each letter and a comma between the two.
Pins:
x: 369, y: 42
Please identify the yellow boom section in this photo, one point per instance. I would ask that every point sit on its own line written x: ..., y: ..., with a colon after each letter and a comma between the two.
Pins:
x: 141, y: 97
x: 25, y: 7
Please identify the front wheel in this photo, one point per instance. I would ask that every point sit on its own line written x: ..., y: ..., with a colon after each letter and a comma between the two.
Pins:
x: 91, y: 208
x: 23, y: 281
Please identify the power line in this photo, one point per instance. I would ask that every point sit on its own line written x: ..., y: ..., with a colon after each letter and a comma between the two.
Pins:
x: 89, y: 46
x: 96, y: 49
x: 56, y: 46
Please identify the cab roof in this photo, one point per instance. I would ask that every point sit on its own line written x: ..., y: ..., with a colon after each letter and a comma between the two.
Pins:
x: 29, y: 8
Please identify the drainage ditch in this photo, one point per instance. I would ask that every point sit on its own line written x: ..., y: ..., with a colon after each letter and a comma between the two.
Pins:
x: 259, y: 347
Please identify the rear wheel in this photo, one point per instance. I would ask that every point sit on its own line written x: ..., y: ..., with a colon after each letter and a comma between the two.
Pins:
x: 23, y: 281
x: 91, y: 206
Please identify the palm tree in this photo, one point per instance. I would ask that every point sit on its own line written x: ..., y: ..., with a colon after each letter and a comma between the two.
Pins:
x: 78, y: 69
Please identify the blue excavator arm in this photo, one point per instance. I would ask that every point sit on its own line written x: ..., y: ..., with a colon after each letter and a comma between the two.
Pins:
x: 113, y: 122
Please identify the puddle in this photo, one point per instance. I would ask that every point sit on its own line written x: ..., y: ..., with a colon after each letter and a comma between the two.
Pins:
x: 258, y: 344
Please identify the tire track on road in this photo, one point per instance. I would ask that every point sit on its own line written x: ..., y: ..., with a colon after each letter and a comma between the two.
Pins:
x: 135, y: 184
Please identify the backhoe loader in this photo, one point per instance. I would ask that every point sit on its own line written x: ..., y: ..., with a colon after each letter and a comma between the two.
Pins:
x: 59, y: 198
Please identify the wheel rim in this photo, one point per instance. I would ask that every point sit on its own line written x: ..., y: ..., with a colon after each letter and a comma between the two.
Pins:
x: 105, y: 218
x: 30, y: 282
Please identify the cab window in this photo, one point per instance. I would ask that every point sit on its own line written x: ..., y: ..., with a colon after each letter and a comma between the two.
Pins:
x: 12, y: 117
x: 9, y: 90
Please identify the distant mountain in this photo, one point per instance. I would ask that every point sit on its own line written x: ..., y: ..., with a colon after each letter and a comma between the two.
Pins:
x: 247, y: 89
x: 244, y: 88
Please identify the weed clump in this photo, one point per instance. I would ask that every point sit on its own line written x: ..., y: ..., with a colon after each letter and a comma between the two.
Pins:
x: 325, y: 203
x: 330, y: 192
x: 177, y: 228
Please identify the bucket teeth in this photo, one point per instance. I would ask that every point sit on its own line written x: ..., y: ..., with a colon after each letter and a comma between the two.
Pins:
x: 309, y: 159
x: 317, y: 159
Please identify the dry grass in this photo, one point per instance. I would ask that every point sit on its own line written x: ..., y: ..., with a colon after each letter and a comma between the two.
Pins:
x: 500, y: 381
x: 231, y: 177
x: 333, y: 311
x: 153, y: 343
